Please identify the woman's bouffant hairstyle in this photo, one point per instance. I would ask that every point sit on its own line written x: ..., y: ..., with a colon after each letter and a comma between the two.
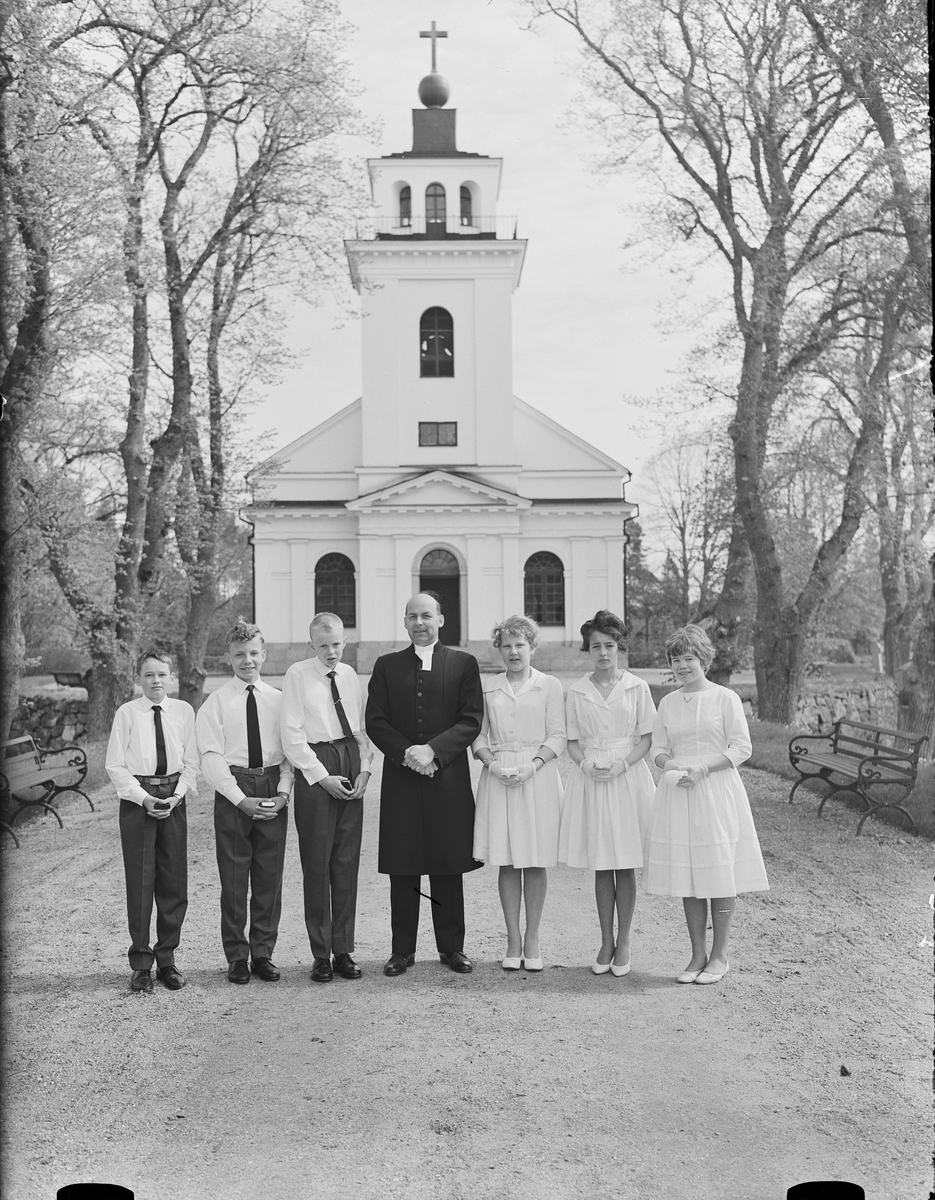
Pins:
x: 607, y: 622
x: 518, y: 626
x: 691, y: 639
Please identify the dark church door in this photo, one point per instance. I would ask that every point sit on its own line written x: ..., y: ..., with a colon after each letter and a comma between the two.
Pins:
x: 439, y: 572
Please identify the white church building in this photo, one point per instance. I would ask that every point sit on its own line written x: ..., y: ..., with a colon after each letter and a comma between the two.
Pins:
x: 437, y: 477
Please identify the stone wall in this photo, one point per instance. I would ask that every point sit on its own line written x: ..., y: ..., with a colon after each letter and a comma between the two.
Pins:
x: 824, y: 702
x: 54, y: 720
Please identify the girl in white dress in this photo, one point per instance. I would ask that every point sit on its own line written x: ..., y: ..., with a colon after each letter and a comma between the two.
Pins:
x: 608, y: 718
x: 520, y: 792
x: 702, y: 844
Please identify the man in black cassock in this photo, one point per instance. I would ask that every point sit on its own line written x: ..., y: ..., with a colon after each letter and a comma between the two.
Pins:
x: 424, y: 709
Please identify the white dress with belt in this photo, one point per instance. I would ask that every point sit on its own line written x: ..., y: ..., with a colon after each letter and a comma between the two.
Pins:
x: 702, y: 841
x: 518, y: 826
x: 603, y: 823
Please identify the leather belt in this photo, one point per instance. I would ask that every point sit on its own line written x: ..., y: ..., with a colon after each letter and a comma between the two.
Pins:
x: 157, y: 779
x: 254, y: 770
x: 335, y: 742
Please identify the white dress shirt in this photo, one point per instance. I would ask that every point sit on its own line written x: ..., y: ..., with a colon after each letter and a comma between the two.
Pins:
x: 131, y: 749
x: 221, y: 731
x: 309, y: 714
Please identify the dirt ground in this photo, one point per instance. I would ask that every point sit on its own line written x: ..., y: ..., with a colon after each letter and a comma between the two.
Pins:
x: 440, y: 1086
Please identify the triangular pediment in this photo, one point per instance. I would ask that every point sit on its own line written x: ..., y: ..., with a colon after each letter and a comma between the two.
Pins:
x: 438, y: 489
x: 548, y: 446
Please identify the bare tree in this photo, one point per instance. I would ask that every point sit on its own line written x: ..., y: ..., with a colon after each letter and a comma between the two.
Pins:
x: 773, y: 157
x: 216, y: 120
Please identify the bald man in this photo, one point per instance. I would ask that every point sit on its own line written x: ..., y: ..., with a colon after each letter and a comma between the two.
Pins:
x: 424, y: 709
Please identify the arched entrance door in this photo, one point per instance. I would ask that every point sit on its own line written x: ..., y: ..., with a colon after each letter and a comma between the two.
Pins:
x: 439, y: 572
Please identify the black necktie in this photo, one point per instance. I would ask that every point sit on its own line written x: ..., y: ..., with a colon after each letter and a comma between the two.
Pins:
x: 339, y: 707
x: 254, y: 745
x: 162, y: 766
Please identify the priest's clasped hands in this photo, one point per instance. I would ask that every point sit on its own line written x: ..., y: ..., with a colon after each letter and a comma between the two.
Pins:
x: 420, y: 759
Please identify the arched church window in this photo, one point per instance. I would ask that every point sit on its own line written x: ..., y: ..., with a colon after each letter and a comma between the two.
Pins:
x: 544, y: 591
x: 334, y: 587
x: 405, y: 205
x: 436, y: 343
x: 465, y: 205
x: 439, y: 562
x: 435, y: 208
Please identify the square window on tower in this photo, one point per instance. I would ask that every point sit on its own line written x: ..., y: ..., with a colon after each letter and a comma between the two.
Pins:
x: 438, y: 433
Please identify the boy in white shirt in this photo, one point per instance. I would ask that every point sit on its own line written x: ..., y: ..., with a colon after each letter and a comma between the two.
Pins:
x: 323, y: 737
x: 152, y: 761
x: 237, y: 729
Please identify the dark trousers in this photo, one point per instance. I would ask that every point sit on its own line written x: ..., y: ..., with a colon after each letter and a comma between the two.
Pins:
x: 155, y: 862
x: 250, y: 853
x: 329, y: 833
x: 447, y: 914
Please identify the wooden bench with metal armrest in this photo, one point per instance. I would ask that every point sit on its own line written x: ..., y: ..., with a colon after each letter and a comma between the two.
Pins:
x: 857, y: 757
x: 31, y: 779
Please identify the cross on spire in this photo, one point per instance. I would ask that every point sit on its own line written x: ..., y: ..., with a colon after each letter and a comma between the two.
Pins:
x: 433, y: 33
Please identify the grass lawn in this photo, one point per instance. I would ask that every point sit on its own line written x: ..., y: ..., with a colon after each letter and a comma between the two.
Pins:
x: 771, y: 753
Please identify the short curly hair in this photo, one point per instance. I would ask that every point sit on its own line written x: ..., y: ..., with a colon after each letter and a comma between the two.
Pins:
x: 690, y: 639
x: 519, y: 626
x: 607, y: 622
x: 242, y: 631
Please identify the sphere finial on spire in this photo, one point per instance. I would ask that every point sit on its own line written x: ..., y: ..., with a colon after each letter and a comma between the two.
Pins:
x: 434, y: 90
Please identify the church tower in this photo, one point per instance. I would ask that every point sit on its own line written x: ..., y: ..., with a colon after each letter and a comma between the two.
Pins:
x: 437, y: 477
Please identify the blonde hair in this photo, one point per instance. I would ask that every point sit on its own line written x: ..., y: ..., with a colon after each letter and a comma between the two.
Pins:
x: 519, y: 626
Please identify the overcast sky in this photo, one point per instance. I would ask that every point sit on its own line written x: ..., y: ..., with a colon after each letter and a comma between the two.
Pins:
x: 588, y: 336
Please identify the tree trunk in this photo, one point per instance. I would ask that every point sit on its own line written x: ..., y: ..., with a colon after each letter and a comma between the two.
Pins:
x: 109, y: 686
x: 917, y: 680
x: 780, y: 639
x: 731, y: 609
x: 12, y: 549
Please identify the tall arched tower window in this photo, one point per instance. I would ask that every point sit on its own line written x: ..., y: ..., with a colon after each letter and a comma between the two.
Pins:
x: 405, y: 205
x: 544, y: 591
x: 436, y: 343
x: 434, y: 209
x: 334, y: 587
x: 465, y: 205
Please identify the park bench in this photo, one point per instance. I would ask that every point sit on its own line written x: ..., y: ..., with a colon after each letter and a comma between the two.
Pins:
x: 865, y: 757
x: 68, y: 678
x: 31, y: 780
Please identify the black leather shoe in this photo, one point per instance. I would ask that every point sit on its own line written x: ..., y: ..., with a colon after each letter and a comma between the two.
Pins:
x: 171, y: 976
x: 266, y: 969
x: 458, y: 961
x: 397, y: 964
x: 321, y: 970
x: 346, y: 967
x: 141, y: 981
x: 237, y: 971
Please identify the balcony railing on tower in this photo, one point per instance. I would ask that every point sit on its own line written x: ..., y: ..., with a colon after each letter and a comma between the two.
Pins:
x: 371, y: 228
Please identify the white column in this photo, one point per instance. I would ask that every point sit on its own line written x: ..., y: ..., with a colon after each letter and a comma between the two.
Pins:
x: 513, y: 596
x: 302, y: 601
x: 576, y: 589
x: 403, y: 592
x: 367, y: 591
x: 615, y: 597
x: 473, y: 621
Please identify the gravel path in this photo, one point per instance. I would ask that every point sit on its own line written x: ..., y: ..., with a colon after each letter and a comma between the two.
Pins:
x: 492, y: 1085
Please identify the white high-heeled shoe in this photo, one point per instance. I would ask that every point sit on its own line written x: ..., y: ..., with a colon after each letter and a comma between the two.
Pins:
x: 532, y: 964
x: 511, y: 964
x: 619, y: 972
x: 600, y: 968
